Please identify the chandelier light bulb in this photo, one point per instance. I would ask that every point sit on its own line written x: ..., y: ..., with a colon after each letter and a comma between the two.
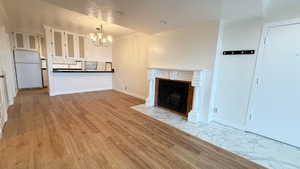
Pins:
x: 100, y: 35
x: 110, y: 38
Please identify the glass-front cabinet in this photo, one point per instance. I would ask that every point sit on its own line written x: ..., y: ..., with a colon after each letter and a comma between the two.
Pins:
x: 25, y: 41
x: 58, y: 44
x: 81, y: 47
x: 68, y: 46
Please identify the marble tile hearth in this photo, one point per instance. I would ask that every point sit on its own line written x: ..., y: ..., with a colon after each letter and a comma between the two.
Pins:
x: 264, y: 151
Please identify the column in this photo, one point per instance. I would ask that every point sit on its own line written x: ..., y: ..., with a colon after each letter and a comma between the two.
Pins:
x: 196, y: 115
x: 151, y: 98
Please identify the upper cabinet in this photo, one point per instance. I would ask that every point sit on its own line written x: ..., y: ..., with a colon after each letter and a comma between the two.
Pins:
x: 42, y: 46
x: 66, y: 45
x: 71, y: 46
x: 58, y: 42
x: 81, y: 47
x: 19, y: 40
x: 25, y: 41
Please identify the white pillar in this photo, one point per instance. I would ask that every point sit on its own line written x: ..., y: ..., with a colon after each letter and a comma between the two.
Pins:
x: 151, y: 98
x: 197, y: 113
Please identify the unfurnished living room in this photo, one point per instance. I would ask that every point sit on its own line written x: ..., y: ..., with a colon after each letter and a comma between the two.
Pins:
x: 149, y: 84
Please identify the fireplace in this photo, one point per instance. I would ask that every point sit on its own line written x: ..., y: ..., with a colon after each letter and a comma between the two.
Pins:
x: 174, y: 95
x: 179, y: 90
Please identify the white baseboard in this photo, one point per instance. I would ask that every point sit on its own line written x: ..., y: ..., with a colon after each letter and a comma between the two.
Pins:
x: 78, y: 91
x: 131, y: 94
x: 229, y: 124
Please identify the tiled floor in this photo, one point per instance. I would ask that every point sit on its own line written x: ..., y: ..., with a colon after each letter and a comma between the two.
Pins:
x: 267, y: 152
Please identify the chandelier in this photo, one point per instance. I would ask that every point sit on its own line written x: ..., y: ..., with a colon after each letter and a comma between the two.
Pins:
x: 99, y: 38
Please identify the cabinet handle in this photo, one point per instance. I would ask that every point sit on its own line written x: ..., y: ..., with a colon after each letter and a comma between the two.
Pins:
x: 2, y: 76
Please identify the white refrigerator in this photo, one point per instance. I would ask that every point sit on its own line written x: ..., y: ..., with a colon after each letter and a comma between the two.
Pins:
x: 28, y: 69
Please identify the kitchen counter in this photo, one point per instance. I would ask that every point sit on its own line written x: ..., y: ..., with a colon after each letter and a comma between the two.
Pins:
x: 68, y: 81
x: 80, y: 71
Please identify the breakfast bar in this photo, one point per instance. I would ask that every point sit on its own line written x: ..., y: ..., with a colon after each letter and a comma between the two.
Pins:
x: 76, y: 81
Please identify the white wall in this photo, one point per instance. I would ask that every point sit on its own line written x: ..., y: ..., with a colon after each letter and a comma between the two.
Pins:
x: 100, y: 54
x: 130, y: 56
x: 192, y: 47
x: 6, y: 57
x: 6, y: 68
x: 234, y: 74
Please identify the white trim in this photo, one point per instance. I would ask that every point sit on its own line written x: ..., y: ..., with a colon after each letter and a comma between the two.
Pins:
x: 215, y: 73
x: 79, y: 91
x: 131, y: 94
x: 228, y: 123
x: 282, y: 23
x: 259, y: 58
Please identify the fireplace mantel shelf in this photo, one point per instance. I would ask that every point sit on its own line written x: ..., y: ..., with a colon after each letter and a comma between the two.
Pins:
x: 176, y: 69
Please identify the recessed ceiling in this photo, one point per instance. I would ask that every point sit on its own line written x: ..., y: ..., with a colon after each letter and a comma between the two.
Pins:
x: 31, y: 15
x: 147, y: 16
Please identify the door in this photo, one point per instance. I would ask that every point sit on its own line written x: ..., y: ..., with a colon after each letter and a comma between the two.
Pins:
x: 19, y: 41
x: 81, y: 47
x: 70, y: 46
x: 58, y: 44
x: 275, y: 104
x: 32, y: 42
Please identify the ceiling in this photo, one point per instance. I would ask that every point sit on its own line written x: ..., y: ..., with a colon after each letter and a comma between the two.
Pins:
x: 31, y: 15
x: 148, y: 16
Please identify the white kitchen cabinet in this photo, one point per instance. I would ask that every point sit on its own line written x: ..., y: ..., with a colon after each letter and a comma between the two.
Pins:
x: 42, y: 46
x: 70, y: 40
x: 32, y: 42
x: 67, y: 45
x: 25, y: 41
x: 81, y: 47
x: 59, y: 44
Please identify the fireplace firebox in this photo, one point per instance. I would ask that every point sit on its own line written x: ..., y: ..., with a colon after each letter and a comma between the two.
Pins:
x: 174, y: 95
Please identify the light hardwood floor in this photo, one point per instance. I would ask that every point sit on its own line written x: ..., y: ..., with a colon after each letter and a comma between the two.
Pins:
x: 99, y: 130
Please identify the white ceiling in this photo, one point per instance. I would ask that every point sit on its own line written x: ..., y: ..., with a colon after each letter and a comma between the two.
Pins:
x: 31, y: 15
x: 139, y: 15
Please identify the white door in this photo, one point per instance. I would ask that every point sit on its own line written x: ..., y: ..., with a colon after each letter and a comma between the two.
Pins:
x: 275, y: 109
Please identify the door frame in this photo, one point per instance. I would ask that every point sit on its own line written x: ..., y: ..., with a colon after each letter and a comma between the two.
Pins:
x: 261, y: 50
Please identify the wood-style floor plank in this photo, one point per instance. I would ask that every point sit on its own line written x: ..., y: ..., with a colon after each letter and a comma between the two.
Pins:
x: 99, y: 130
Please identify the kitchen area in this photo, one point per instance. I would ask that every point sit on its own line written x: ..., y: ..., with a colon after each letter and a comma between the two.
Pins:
x: 62, y: 61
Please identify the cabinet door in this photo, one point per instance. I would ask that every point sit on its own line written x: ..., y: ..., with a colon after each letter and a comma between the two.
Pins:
x: 42, y: 47
x: 58, y: 44
x: 19, y: 40
x: 32, y: 42
x: 70, y: 46
x: 81, y: 47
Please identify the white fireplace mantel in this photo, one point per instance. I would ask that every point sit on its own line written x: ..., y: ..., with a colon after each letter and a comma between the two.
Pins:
x: 198, y: 79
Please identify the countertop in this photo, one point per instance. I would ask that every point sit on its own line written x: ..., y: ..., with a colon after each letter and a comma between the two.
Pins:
x: 81, y: 71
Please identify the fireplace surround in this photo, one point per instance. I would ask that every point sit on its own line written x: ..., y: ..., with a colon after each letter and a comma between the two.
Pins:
x: 197, y: 78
